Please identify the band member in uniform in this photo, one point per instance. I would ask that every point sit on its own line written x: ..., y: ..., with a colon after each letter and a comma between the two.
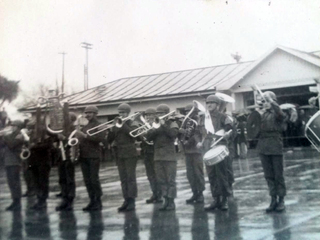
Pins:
x: 231, y: 144
x: 217, y: 173
x: 90, y: 159
x: 12, y: 148
x: 66, y: 171
x: 164, y: 155
x: 27, y: 170
x: 126, y: 156
x: 270, y: 150
x: 190, y: 136
x: 40, y: 161
x: 148, y: 149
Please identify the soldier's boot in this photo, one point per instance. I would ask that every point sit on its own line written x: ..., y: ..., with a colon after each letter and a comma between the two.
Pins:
x: 41, y: 204
x: 215, y: 204
x: 88, y: 207
x: 152, y: 199
x: 171, y: 205
x: 59, y: 194
x: 273, y: 204
x: 165, y: 204
x: 62, y: 205
x: 224, y: 206
x: 192, y: 199
x: 131, y: 205
x: 200, y: 198
x: 69, y: 206
x: 124, y: 206
x: 280, y: 206
x: 15, y: 205
x: 99, y: 202
x: 96, y: 204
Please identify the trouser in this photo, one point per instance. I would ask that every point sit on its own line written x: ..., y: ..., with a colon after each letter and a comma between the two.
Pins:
x: 273, y: 172
x: 41, y: 171
x: 127, y: 173
x: 14, y: 182
x: 243, y: 150
x: 218, y: 178
x: 28, y: 176
x: 67, y: 179
x: 90, y: 171
x: 166, y: 172
x: 195, y: 173
x: 151, y: 174
x: 230, y: 174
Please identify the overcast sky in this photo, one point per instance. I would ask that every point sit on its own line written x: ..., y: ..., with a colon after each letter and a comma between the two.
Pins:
x: 143, y: 37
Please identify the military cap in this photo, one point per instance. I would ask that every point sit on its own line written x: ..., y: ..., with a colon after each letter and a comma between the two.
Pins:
x: 124, y: 107
x: 92, y: 109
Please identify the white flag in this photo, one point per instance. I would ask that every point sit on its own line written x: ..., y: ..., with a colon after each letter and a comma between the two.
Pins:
x: 208, y: 123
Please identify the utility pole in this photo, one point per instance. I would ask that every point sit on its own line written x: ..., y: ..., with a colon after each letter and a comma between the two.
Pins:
x: 62, y: 83
x: 86, y: 71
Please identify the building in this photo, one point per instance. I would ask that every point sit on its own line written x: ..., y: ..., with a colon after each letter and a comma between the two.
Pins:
x: 292, y: 74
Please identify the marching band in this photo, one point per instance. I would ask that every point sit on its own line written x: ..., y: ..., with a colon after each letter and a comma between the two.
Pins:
x: 207, y: 135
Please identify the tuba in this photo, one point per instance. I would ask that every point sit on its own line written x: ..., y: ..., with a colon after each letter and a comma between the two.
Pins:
x: 58, y: 117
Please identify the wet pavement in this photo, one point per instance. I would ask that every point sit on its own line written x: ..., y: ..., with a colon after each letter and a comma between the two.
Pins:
x: 246, y: 218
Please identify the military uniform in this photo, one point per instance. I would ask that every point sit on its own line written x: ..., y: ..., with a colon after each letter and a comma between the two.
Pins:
x: 218, y: 173
x: 148, y: 150
x: 40, y: 161
x: 193, y: 157
x: 165, y: 160
x: 270, y: 149
x: 90, y: 164
x: 12, y: 162
x: 126, y: 158
x: 66, y: 171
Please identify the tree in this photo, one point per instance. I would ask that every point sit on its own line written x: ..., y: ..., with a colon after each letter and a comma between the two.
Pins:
x: 30, y: 99
x: 8, y: 90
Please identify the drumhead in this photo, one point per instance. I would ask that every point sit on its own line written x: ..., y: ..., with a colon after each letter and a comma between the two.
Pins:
x: 215, y: 155
x: 213, y: 152
x: 313, y: 120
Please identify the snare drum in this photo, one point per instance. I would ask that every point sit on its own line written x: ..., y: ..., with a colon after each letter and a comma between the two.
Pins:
x: 312, y: 130
x: 215, y: 155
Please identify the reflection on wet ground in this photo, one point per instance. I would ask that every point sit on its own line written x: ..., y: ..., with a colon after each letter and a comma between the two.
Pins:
x: 244, y: 220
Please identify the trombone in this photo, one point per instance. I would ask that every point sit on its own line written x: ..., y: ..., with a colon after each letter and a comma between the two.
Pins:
x: 147, y: 126
x: 107, y: 125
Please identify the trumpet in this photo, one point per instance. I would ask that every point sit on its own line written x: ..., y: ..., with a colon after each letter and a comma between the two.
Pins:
x: 143, y: 129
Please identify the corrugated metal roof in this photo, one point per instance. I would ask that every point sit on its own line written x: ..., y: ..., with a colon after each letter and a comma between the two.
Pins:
x: 163, y: 84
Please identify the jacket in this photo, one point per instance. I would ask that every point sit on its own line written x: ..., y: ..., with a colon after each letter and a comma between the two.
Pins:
x: 270, y: 140
x: 164, y: 138
x: 90, y: 146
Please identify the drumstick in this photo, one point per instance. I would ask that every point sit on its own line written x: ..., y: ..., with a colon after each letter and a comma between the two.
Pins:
x: 215, y: 143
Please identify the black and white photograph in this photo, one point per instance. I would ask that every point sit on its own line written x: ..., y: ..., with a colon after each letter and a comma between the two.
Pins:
x: 160, y: 120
